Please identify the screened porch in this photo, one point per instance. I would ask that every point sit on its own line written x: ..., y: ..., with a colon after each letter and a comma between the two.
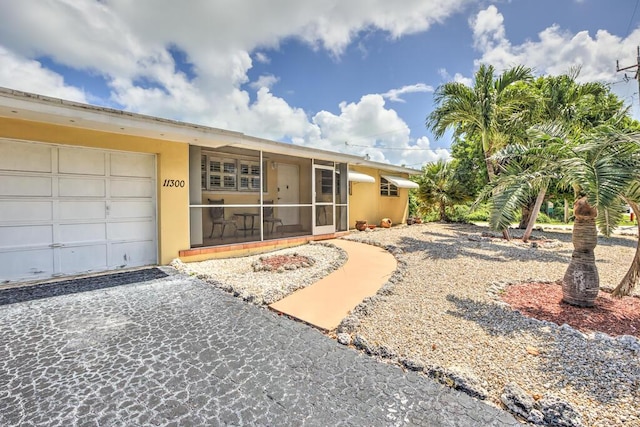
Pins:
x: 256, y: 196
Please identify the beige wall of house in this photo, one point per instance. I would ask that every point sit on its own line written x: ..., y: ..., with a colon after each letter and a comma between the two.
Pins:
x: 172, y: 163
x: 366, y: 202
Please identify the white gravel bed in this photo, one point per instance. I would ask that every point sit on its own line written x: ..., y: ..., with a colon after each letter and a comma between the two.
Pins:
x: 237, y: 275
x: 441, y: 315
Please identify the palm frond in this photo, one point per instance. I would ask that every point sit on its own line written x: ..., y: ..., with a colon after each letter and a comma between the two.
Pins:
x: 512, y: 75
x: 609, y: 216
x: 506, y: 200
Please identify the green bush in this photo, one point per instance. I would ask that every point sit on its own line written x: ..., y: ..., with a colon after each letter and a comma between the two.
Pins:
x: 430, y: 216
x: 546, y: 219
x: 458, y: 213
x: 481, y: 214
x: 543, y: 218
x: 413, y: 203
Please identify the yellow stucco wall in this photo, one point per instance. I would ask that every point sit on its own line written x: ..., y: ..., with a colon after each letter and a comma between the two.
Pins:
x: 366, y: 203
x: 172, y: 163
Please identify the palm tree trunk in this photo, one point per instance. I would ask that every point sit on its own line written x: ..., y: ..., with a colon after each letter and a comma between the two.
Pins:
x: 491, y: 172
x: 443, y: 212
x: 526, y: 214
x: 581, y: 282
x: 631, y: 279
x: 534, y: 214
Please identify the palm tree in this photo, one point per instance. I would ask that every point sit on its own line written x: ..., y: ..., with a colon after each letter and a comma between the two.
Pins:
x: 632, y: 198
x: 600, y: 166
x: 561, y: 99
x: 440, y: 188
x: 487, y: 109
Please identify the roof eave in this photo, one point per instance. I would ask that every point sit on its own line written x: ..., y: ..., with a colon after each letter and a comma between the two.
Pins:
x: 32, y: 107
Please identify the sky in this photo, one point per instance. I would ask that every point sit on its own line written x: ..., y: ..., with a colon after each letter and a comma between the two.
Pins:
x: 353, y: 76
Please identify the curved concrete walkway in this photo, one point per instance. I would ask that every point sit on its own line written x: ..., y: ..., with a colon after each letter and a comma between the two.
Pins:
x: 325, y: 303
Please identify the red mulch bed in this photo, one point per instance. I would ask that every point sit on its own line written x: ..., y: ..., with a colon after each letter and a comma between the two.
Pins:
x: 543, y: 301
x: 277, y: 261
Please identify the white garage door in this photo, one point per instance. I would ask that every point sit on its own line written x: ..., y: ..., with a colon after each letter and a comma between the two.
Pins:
x: 67, y: 210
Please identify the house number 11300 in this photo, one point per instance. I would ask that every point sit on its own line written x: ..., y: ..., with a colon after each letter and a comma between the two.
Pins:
x: 173, y: 183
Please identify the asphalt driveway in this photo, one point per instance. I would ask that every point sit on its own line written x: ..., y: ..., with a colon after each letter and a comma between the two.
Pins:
x: 176, y: 351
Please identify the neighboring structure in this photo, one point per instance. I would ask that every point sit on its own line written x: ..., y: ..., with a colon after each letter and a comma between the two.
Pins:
x: 85, y: 189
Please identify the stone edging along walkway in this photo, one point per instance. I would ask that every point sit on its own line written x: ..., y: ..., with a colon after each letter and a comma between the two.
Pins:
x: 515, y: 399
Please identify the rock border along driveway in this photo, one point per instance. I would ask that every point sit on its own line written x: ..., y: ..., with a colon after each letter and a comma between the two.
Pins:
x: 176, y: 351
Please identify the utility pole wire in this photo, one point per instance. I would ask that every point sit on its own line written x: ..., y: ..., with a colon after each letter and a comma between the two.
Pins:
x: 636, y: 67
x: 635, y: 8
x: 348, y: 144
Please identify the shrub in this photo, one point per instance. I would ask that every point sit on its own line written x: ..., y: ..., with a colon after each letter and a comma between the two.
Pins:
x: 458, y: 213
x: 480, y: 214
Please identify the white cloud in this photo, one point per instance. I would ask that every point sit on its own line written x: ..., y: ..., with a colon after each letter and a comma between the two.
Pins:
x: 28, y: 75
x: 421, y: 152
x: 267, y: 80
x: 271, y: 117
x: 555, y: 50
x: 457, y: 77
x: 368, y: 128
x: 488, y: 28
x: 395, y: 94
x: 128, y: 45
x: 262, y: 58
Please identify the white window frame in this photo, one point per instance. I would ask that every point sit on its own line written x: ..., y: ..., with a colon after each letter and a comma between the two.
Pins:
x: 233, y: 173
x: 248, y: 175
x: 387, y: 189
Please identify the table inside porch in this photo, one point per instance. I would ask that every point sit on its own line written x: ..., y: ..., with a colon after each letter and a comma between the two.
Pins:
x: 244, y: 216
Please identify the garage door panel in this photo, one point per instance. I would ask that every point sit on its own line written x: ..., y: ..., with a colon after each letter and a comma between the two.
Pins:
x: 33, y: 186
x: 134, y: 165
x: 87, y: 210
x: 81, y: 187
x: 81, y: 161
x: 27, y: 210
x: 27, y: 264
x: 132, y: 188
x: 27, y: 235
x: 131, y: 230
x: 132, y: 254
x: 131, y: 209
x: 74, y: 233
x: 81, y: 259
x: 71, y: 210
x: 25, y: 157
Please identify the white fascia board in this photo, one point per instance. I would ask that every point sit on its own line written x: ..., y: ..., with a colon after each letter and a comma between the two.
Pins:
x: 31, y: 107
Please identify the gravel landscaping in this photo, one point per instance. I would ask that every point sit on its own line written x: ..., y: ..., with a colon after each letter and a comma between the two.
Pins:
x: 264, y: 279
x: 444, y: 317
x: 442, y: 314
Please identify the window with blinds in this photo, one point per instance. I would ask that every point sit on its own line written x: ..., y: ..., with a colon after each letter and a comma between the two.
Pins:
x: 229, y: 174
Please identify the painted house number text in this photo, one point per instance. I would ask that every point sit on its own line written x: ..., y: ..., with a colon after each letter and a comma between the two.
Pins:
x: 173, y: 183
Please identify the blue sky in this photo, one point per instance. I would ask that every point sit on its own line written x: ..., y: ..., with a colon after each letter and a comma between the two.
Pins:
x: 354, y: 77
